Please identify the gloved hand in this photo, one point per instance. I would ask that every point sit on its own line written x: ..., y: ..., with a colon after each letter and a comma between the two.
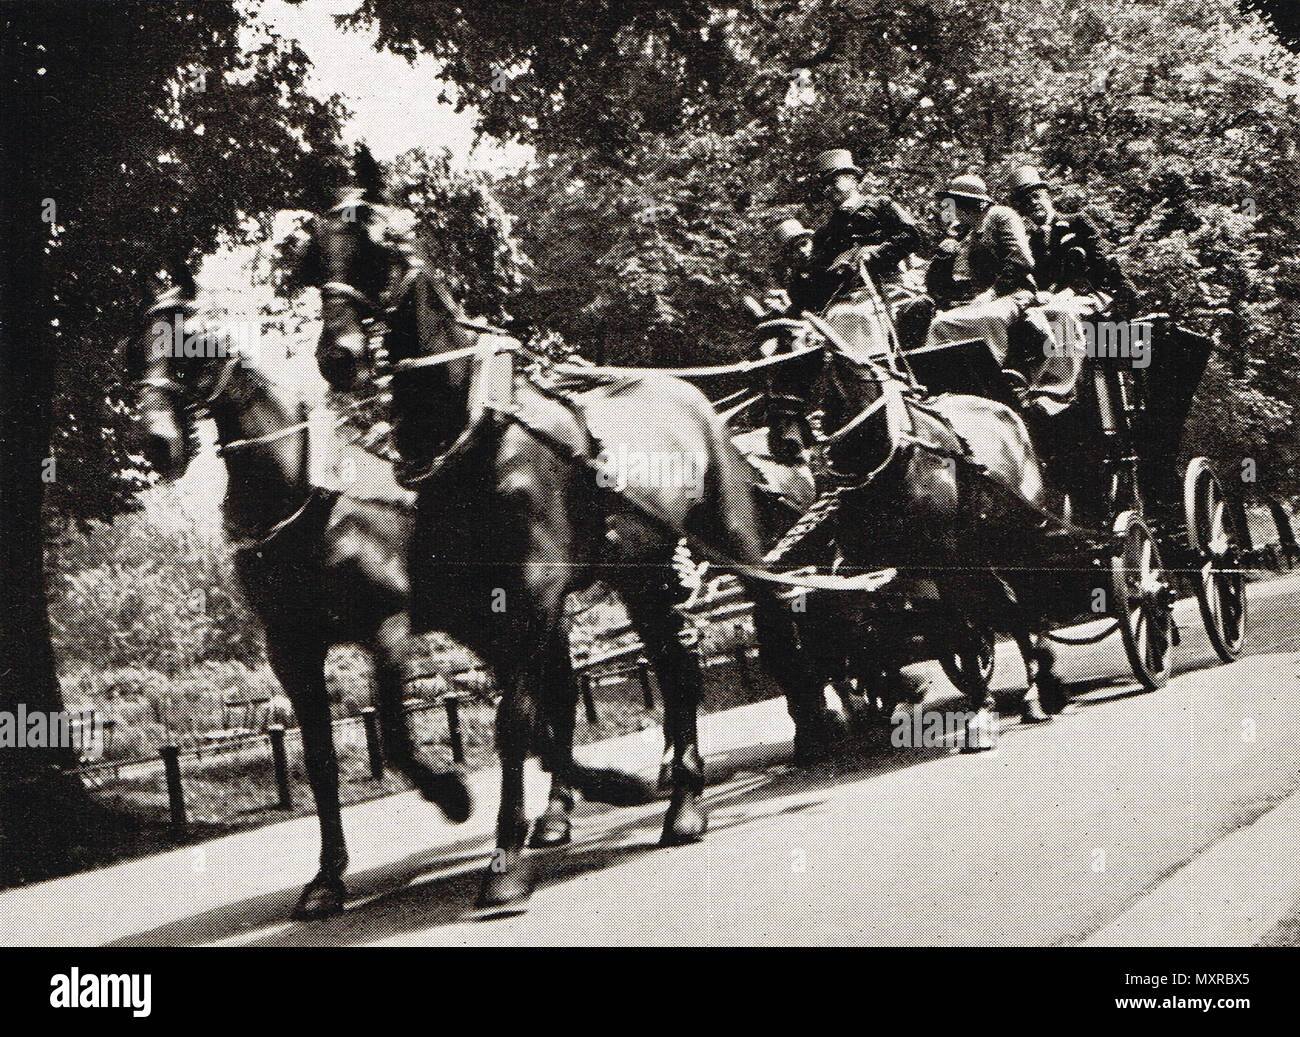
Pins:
x: 778, y: 299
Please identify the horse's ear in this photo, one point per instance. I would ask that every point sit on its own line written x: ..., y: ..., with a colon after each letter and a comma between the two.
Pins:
x: 368, y: 175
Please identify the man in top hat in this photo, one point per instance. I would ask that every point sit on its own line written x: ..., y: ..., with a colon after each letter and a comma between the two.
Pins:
x: 875, y: 231
x: 982, y: 279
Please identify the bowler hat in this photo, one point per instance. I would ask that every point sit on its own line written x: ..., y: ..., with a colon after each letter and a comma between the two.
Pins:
x: 968, y: 185
x: 837, y: 160
x: 1023, y: 180
x: 789, y: 230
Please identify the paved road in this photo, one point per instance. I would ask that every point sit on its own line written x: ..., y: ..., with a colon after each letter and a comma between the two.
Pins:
x: 1167, y: 817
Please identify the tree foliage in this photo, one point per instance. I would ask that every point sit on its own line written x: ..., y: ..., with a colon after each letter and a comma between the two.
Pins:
x: 205, y: 129
x: 672, y: 136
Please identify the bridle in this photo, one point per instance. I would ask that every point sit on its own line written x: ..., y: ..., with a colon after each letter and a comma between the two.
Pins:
x: 195, y: 406
x: 185, y: 394
x: 388, y: 303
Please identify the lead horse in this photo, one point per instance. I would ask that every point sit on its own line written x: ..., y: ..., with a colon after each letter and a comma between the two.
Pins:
x: 318, y: 567
x: 513, y: 515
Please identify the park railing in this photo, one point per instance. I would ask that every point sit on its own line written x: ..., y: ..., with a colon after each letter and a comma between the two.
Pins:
x: 611, y: 659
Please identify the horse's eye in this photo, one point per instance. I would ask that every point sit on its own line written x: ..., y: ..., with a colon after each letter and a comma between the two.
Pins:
x: 768, y: 347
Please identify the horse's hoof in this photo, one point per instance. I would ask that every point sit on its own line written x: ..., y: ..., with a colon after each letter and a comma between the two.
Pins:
x: 980, y: 735
x: 685, y: 823
x: 810, y: 751
x: 551, y: 829
x: 815, y: 739
x: 449, y: 793
x: 506, y: 891
x: 320, y: 898
x: 1031, y: 712
x: 1051, y: 693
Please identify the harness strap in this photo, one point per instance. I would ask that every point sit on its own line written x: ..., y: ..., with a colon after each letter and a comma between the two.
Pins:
x: 252, y: 542
x: 742, y: 367
x: 869, y: 581
x: 437, y: 359
x: 271, y: 437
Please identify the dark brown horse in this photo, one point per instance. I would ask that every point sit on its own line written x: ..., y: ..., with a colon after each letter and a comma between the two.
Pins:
x: 512, y: 517
x: 929, y: 505
x: 318, y: 567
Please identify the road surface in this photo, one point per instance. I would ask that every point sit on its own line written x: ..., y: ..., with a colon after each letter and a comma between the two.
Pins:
x: 1167, y: 818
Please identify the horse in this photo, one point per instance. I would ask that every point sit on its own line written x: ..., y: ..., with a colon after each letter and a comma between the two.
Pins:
x: 521, y: 502
x: 318, y: 567
x: 934, y: 488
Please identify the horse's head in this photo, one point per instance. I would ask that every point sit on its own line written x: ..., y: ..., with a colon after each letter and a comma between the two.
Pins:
x: 177, y: 369
x: 353, y: 262
x: 370, y: 266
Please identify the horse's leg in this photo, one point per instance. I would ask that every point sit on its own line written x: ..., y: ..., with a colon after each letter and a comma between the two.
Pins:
x: 508, y: 881
x: 789, y: 665
x: 528, y: 658
x: 299, y: 666
x: 650, y: 604
x: 964, y: 640
x: 1051, y: 689
x: 1031, y: 709
x: 552, y: 828
x: 390, y: 648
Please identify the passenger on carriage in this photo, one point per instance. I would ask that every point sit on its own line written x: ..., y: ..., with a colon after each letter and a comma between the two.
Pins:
x: 1077, y: 281
x: 982, y: 277
x: 1067, y: 247
x: 796, y: 271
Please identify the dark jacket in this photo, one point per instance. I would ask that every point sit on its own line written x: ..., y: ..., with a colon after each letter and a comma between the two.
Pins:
x: 808, y: 290
x: 876, y: 222
x: 1070, y: 253
x: 996, y: 255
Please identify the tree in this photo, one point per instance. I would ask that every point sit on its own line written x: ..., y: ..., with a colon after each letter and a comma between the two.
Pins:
x: 132, y: 132
x: 671, y: 136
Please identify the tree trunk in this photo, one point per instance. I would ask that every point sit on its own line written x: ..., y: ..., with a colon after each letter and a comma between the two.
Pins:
x: 38, y: 806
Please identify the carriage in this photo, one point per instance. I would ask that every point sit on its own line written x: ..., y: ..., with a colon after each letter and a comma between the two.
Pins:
x: 1126, y: 559
x: 508, y: 453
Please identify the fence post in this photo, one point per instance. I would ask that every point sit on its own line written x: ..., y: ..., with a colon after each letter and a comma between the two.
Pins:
x: 171, y: 757
x: 370, y: 721
x: 452, y: 704
x: 276, y: 733
x: 742, y: 657
x: 643, y: 672
x: 588, y: 702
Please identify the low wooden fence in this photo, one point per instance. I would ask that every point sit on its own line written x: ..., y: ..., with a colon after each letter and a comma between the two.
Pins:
x: 720, y: 602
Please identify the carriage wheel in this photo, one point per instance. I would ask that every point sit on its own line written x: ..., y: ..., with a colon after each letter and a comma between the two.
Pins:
x: 1142, y: 601
x: 1215, y: 533
x: 970, y: 665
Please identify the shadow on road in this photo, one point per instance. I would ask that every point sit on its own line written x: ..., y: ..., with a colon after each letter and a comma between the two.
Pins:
x: 437, y: 887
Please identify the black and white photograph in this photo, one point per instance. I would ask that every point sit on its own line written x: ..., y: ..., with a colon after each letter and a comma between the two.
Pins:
x: 609, y: 474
